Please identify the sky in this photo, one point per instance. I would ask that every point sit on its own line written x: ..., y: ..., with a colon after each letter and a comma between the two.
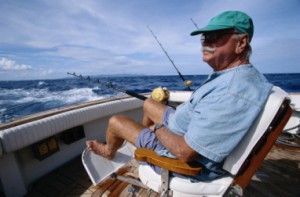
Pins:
x: 45, y: 39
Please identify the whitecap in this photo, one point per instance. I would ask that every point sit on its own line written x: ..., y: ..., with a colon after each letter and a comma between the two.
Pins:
x: 41, y: 83
x: 66, y: 97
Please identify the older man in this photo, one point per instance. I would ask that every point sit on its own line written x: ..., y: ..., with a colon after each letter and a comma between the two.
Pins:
x: 207, y: 127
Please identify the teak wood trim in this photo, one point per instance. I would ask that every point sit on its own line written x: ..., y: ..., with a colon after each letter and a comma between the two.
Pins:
x: 174, y: 165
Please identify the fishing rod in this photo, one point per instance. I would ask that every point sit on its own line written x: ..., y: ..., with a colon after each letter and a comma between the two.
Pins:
x: 194, y: 23
x: 110, y: 85
x: 187, y: 83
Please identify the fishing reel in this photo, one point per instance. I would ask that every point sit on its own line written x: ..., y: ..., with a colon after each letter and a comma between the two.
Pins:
x: 188, y: 83
x: 160, y: 94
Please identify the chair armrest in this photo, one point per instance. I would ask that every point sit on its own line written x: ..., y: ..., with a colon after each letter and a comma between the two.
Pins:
x: 174, y: 165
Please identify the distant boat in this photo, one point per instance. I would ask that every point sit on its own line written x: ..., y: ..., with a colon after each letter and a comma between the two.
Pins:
x: 35, y: 145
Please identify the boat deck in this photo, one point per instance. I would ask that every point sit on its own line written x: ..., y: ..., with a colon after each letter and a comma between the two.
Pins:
x: 279, y: 175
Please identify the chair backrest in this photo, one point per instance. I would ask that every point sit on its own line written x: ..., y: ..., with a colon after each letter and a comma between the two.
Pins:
x: 260, y: 138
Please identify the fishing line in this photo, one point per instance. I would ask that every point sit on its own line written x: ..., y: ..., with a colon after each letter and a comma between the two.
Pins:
x: 187, y: 83
x: 110, y: 85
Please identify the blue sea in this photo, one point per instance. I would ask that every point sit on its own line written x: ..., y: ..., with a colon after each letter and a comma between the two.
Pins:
x: 21, y: 98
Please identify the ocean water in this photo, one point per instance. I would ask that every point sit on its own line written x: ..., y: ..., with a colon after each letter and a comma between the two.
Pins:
x: 21, y: 98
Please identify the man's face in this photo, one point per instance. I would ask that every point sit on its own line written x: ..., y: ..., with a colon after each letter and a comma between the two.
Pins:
x: 218, y: 48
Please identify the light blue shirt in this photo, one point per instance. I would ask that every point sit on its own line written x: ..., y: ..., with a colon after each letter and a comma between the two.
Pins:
x: 219, y: 114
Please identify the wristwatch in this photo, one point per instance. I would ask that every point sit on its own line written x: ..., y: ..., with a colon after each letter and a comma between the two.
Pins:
x: 158, y: 126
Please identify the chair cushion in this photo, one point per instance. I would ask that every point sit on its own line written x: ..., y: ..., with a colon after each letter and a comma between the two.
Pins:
x: 182, y: 186
x: 237, y: 157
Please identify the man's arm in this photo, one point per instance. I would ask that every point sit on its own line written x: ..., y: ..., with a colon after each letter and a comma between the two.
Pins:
x: 176, y: 145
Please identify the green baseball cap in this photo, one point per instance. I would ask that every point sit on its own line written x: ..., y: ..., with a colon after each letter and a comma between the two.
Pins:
x: 237, y: 20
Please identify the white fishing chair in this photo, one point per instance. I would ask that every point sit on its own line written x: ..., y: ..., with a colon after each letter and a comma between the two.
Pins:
x: 241, y: 164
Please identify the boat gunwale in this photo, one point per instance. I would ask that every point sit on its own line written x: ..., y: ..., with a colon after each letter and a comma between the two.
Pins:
x: 55, y: 111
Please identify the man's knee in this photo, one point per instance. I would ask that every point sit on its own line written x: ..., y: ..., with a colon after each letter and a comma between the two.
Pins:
x: 116, y: 119
x: 154, y: 110
x: 147, y: 104
x: 151, y: 105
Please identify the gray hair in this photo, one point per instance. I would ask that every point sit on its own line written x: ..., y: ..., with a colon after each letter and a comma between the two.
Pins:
x: 248, y: 50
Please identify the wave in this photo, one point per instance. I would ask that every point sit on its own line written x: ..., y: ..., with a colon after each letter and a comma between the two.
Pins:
x: 21, y: 98
x: 15, y: 103
x: 41, y: 83
x: 67, y: 96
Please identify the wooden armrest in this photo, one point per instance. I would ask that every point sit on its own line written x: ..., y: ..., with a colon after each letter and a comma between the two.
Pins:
x: 174, y: 165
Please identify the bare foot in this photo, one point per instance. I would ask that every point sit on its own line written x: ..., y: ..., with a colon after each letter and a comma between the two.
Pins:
x: 100, y: 149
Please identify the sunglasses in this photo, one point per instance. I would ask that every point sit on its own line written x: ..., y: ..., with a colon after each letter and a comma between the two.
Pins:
x: 215, y: 36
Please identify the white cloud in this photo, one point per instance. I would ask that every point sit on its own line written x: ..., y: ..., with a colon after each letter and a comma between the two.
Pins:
x: 7, y: 64
x: 46, y: 72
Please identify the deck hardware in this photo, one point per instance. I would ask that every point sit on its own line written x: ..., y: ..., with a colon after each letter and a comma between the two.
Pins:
x: 131, y: 190
x: 72, y: 135
x: 128, y: 180
x: 164, y: 188
x: 45, y: 148
x: 235, y: 191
